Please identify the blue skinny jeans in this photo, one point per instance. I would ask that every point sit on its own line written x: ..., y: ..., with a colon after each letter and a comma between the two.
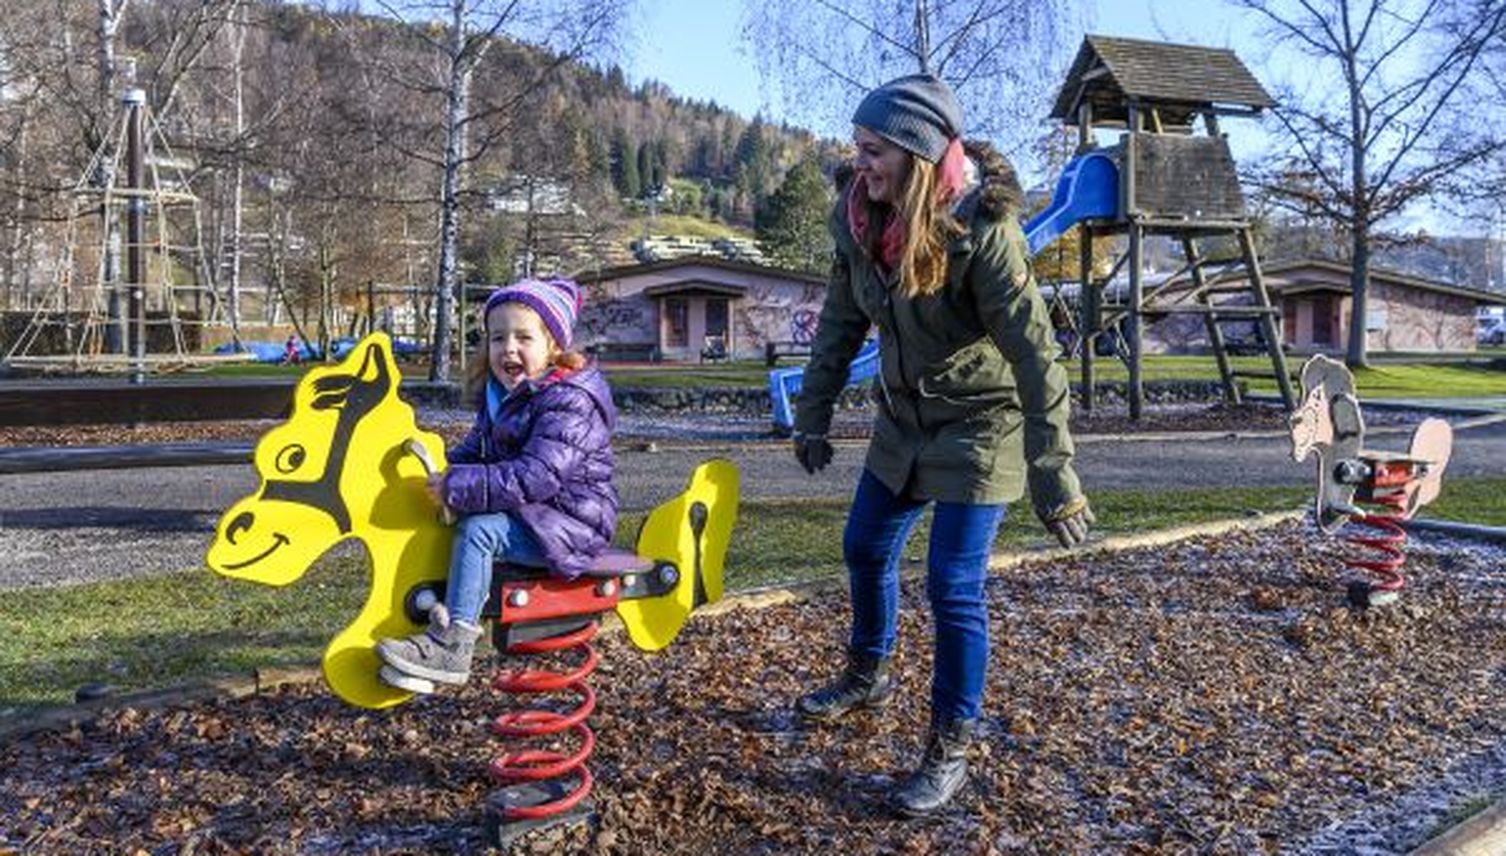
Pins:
x: 962, y: 536
x: 481, y: 539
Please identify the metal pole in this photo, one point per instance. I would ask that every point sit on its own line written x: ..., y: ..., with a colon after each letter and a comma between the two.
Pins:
x: 135, y: 101
x: 464, y: 311
x: 1131, y: 211
x: 1133, y: 322
x: 1089, y: 316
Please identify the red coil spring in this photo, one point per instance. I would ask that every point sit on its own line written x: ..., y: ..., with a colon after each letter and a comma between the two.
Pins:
x: 533, y: 765
x: 1382, y: 554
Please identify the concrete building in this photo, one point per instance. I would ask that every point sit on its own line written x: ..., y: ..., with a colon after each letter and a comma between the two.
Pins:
x: 688, y: 308
x: 1406, y: 313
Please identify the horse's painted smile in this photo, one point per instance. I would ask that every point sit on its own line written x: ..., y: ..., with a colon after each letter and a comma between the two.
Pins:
x: 278, y: 540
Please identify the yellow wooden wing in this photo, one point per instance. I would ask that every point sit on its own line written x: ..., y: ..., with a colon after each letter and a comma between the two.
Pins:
x: 691, y: 531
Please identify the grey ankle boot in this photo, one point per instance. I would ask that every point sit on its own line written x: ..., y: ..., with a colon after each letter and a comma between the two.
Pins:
x: 442, y: 653
x: 941, y: 772
x: 865, y: 683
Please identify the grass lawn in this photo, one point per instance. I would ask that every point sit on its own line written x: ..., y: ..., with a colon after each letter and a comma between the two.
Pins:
x: 1453, y: 379
x: 743, y: 373
x: 156, y: 632
x: 1381, y: 380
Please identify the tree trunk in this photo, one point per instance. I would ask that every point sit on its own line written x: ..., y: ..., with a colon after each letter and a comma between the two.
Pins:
x: 1358, y: 356
x: 18, y: 228
x: 1359, y: 277
x: 238, y: 172
x: 457, y: 103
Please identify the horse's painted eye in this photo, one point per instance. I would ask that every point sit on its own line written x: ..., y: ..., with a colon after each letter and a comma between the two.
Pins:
x: 290, y: 458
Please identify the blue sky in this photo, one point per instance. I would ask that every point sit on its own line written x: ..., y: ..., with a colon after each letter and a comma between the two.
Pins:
x: 694, y: 47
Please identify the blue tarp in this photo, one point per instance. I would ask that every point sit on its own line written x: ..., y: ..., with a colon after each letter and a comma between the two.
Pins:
x: 272, y: 352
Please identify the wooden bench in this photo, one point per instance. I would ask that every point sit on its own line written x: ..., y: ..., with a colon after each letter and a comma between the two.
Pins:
x: 714, y: 349
x: 773, y: 351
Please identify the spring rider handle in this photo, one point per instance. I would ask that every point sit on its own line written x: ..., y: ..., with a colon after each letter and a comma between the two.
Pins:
x: 417, y: 449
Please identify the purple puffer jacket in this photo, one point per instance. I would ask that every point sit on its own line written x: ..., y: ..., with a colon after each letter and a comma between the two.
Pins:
x: 546, y: 459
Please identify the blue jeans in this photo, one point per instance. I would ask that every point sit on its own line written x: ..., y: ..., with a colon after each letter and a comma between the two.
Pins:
x: 962, y: 537
x: 481, y: 539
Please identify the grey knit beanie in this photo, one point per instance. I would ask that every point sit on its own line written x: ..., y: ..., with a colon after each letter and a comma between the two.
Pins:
x: 917, y: 112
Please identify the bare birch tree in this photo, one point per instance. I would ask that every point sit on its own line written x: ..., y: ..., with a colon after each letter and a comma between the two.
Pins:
x: 1003, y: 57
x: 458, y: 36
x: 1376, y: 123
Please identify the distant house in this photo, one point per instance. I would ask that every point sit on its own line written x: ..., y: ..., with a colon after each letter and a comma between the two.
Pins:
x: 682, y: 308
x: 1405, y: 313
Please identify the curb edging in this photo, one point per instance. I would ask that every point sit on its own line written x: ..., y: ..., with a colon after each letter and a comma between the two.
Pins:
x: 1483, y: 834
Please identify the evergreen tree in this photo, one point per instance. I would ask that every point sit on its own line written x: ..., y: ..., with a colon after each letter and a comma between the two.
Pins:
x: 646, y: 166
x: 661, y: 162
x: 791, y: 224
x: 625, y: 165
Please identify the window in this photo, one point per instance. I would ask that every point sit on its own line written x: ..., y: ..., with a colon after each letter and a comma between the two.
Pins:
x: 676, y: 322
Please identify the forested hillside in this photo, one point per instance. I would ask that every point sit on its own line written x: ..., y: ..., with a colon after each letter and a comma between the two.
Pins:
x: 318, y: 146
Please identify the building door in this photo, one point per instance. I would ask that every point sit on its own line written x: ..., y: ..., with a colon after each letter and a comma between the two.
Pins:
x: 1323, y: 320
x: 716, y: 326
x: 676, y: 322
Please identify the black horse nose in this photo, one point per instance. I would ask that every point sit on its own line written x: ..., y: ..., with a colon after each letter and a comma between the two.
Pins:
x: 241, y: 523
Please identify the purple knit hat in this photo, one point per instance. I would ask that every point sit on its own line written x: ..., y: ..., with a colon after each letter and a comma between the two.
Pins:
x: 557, y: 301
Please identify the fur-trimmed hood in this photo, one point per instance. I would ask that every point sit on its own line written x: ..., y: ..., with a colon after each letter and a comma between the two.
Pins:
x: 995, y: 190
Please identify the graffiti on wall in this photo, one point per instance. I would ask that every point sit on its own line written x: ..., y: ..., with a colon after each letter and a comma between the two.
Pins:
x: 616, y: 320
x: 782, y: 312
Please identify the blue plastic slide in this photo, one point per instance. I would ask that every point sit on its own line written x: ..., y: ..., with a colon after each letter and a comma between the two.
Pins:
x: 784, y: 384
x: 1087, y: 190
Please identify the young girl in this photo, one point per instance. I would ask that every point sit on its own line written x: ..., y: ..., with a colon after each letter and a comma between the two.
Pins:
x: 974, y: 405
x: 532, y: 482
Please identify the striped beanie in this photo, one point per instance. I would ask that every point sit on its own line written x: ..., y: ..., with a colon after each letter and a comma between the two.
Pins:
x: 557, y: 302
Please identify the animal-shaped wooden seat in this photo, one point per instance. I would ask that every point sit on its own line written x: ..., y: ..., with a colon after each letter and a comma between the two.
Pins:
x: 350, y: 462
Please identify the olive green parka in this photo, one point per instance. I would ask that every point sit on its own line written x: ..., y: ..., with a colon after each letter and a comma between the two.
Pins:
x: 972, y: 403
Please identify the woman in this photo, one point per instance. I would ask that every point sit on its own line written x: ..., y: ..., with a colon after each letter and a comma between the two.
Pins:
x: 973, y: 404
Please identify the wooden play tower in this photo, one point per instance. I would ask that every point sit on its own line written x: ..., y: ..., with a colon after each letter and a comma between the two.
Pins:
x: 1176, y: 179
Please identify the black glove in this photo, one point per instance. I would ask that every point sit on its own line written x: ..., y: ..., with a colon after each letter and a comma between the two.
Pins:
x: 1070, y: 522
x: 812, y: 451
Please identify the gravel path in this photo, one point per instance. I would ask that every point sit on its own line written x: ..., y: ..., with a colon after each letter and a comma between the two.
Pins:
x: 61, y: 528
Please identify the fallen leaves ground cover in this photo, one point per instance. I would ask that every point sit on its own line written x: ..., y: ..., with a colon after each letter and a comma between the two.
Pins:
x: 1214, y: 696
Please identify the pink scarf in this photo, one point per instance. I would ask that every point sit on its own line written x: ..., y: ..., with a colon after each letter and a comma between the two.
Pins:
x: 950, y: 177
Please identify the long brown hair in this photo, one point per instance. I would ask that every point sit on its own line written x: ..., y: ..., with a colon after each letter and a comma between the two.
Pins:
x: 478, y: 369
x: 928, y: 227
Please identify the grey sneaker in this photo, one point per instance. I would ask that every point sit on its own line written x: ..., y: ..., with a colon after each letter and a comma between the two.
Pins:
x: 442, y: 653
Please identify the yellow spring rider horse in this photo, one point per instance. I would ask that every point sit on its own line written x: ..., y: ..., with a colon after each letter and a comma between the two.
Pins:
x: 342, y: 467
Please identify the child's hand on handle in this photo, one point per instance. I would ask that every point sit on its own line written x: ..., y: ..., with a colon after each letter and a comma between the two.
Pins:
x: 435, y: 486
x: 435, y: 483
x: 813, y: 451
x: 1070, y: 522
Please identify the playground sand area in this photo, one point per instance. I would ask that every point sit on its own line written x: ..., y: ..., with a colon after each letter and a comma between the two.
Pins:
x: 1212, y: 696
x: 690, y: 427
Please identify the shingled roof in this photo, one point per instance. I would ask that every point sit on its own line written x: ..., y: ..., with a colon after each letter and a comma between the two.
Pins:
x: 1109, y: 71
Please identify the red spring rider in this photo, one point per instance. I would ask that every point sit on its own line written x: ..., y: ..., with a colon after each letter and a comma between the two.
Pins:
x: 544, y: 627
x: 1394, y: 485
